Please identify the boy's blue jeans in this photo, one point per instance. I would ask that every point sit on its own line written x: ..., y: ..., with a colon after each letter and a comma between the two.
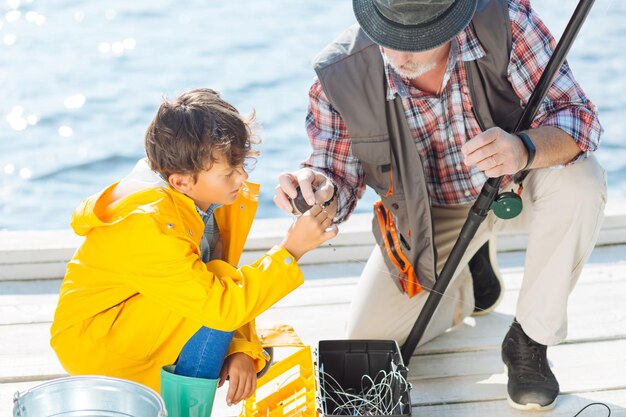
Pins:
x: 203, y: 355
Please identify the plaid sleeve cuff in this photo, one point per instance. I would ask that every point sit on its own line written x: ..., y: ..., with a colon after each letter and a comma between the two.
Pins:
x: 581, y: 124
x: 347, y: 197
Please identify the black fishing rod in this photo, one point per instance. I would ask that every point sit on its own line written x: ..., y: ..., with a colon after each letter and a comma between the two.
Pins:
x: 488, y: 194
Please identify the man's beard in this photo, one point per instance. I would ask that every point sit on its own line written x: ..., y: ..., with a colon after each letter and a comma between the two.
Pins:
x: 412, y: 70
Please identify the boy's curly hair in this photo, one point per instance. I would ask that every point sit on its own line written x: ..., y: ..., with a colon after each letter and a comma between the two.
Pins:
x: 190, y: 133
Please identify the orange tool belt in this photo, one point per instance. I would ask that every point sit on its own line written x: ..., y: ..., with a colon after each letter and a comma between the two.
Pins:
x: 408, y: 278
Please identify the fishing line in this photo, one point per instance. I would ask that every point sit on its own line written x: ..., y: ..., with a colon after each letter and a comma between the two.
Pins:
x: 592, y: 404
x: 391, y: 275
x: 376, y: 400
x: 606, y: 11
x: 381, y: 395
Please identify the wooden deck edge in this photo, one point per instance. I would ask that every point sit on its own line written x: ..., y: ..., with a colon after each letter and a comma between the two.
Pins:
x: 44, y: 254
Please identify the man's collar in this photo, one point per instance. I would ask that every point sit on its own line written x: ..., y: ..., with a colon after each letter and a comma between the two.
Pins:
x: 465, y: 47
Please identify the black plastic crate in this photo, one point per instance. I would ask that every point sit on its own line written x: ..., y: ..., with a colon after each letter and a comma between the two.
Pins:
x: 347, y: 361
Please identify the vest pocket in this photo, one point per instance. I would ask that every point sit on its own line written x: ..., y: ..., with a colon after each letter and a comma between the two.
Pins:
x: 395, y: 246
x: 375, y: 158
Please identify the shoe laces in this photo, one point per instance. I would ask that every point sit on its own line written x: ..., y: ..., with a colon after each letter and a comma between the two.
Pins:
x: 529, y: 360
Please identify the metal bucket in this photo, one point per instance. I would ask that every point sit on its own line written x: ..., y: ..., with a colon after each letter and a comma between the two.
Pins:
x: 89, y: 396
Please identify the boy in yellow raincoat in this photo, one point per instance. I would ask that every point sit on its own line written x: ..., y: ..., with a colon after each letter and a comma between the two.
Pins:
x: 156, y: 281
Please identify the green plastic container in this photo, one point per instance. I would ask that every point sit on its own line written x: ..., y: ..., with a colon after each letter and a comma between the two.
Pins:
x: 185, y: 396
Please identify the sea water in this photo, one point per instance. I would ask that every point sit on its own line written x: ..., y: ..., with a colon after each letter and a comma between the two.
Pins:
x: 80, y: 81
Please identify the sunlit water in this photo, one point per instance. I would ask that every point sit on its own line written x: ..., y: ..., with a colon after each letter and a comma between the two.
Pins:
x: 80, y: 80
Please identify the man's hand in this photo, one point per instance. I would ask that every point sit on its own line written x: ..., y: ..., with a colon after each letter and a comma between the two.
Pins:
x: 307, y: 179
x: 240, y: 370
x: 496, y: 153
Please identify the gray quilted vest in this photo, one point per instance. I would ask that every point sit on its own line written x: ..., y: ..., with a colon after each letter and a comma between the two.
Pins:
x: 351, y: 72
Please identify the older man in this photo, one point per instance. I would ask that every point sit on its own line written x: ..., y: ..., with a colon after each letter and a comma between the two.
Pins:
x: 418, y: 101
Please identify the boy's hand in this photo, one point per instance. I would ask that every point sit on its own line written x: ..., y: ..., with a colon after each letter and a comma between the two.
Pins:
x: 240, y: 370
x: 308, y: 231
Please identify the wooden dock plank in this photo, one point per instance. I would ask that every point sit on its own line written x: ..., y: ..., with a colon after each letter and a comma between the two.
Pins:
x: 479, y: 376
x: 457, y: 374
x: 34, y: 301
x: 43, y: 254
x: 567, y: 406
x: 597, y: 313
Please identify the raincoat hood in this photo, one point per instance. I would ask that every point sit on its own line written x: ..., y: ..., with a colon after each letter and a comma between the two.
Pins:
x: 140, y: 191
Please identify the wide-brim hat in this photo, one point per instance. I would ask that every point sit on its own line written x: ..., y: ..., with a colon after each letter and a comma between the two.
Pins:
x: 413, y: 25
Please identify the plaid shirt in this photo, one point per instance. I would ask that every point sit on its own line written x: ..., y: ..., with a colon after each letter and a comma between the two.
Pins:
x: 440, y: 125
x: 211, y: 233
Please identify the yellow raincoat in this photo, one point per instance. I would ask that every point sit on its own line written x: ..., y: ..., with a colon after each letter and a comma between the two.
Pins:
x: 136, y: 290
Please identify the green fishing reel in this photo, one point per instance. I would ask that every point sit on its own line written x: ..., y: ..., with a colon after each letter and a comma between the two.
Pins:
x: 507, y: 205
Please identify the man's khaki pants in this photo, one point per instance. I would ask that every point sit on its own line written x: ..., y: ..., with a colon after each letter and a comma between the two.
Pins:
x: 563, y: 212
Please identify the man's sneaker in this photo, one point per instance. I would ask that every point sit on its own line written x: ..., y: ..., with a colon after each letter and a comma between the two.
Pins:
x: 532, y: 385
x: 488, y: 285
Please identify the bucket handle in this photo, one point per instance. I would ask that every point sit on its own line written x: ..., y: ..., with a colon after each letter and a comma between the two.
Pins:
x: 16, y: 404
